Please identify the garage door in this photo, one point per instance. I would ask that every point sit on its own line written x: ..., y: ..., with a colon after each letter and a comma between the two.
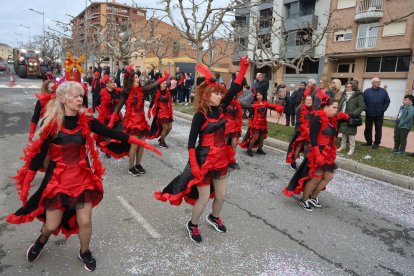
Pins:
x: 396, y: 91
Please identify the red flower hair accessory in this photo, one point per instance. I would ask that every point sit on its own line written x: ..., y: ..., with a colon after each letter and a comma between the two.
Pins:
x: 204, y: 71
x: 128, y: 71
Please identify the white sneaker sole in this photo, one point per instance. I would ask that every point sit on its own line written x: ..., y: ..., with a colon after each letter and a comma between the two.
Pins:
x: 84, y: 265
x: 303, y: 207
x: 315, y: 205
x: 27, y: 254
x: 212, y: 224
x: 135, y: 175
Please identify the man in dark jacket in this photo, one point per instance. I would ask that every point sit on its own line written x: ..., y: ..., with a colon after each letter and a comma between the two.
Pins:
x: 376, y: 103
x: 299, y: 94
x: 118, y: 76
x: 290, y: 99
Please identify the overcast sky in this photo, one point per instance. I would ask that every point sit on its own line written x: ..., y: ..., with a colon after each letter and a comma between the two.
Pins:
x: 16, y: 12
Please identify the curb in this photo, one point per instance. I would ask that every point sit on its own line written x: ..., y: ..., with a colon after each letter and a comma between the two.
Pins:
x: 343, y: 163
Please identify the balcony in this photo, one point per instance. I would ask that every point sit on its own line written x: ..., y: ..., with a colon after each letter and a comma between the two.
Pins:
x: 368, y: 10
x: 301, y: 22
x: 366, y: 42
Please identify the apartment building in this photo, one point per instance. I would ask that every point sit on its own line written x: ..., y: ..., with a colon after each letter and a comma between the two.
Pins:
x: 298, y: 20
x: 373, y: 38
x: 98, y: 14
x: 6, y: 51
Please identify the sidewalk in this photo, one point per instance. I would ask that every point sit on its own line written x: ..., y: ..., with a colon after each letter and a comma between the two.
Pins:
x: 387, y: 133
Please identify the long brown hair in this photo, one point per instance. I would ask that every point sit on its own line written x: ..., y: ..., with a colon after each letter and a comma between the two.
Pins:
x: 203, y: 94
x: 45, y: 86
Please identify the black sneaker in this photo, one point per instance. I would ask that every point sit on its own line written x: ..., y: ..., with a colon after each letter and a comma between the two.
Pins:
x: 133, y: 171
x: 217, y: 223
x: 140, y: 169
x: 375, y: 146
x: 163, y: 144
x: 260, y: 151
x: 88, y: 260
x: 293, y: 166
x: 234, y: 166
x: 306, y: 205
x: 249, y: 152
x: 315, y: 202
x: 194, y: 233
x: 33, y: 253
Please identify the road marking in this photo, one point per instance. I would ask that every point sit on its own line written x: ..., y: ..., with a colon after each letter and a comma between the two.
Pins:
x: 3, y: 86
x: 34, y: 86
x: 17, y: 86
x: 139, y: 218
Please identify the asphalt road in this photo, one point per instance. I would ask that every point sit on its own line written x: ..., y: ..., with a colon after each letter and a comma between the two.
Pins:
x: 365, y: 227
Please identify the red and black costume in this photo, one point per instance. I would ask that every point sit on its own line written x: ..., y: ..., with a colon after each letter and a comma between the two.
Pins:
x: 258, y: 121
x: 39, y: 111
x: 161, y: 108
x: 109, y: 100
x: 300, y: 136
x: 234, y: 119
x: 212, y: 155
x: 322, y: 151
x: 74, y: 174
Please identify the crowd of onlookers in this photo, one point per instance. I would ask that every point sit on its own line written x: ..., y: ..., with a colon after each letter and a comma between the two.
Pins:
x: 374, y: 101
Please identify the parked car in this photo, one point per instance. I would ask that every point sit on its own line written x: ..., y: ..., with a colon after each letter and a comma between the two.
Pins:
x: 3, y: 66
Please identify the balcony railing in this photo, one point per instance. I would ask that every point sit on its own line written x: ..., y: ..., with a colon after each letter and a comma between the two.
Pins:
x: 369, y: 10
x: 366, y: 42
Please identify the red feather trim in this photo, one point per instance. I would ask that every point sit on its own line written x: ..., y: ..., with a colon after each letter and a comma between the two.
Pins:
x: 204, y: 71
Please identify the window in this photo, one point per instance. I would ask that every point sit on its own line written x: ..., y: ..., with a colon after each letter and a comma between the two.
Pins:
x: 395, y: 28
x: 388, y: 64
x: 240, y: 21
x: 343, y: 4
x: 309, y: 67
x: 343, y: 35
x: 265, y: 40
x: 304, y: 37
x: 266, y: 18
x: 307, y: 7
x: 346, y: 68
x: 367, y: 36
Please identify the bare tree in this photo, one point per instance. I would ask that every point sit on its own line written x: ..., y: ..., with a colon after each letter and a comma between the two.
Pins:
x: 269, y: 29
x: 198, y: 20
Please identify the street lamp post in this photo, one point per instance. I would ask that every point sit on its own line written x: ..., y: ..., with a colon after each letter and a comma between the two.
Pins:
x: 27, y: 27
x: 21, y: 38
x: 43, y: 14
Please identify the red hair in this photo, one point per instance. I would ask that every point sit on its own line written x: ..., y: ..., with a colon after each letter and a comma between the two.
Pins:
x: 202, y: 98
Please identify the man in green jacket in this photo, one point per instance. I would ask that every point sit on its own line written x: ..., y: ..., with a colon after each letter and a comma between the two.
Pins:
x: 403, y: 124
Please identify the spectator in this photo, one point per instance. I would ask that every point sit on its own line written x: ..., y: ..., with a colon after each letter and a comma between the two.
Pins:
x: 118, y: 76
x: 376, y: 103
x: 218, y: 77
x: 138, y: 71
x: 173, y: 89
x: 299, y: 94
x: 188, y: 84
x: 121, y: 77
x: 89, y: 75
x: 274, y: 92
x: 321, y: 86
x: 281, y: 93
x: 335, y: 91
x: 290, y: 110
x: 403, y: 124
x: 352, y: 103
x: 262, y: 84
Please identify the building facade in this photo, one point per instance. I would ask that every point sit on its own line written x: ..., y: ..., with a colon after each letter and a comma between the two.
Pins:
x: 286, y: 27
x: 6, y: 51
x: 373, y: 38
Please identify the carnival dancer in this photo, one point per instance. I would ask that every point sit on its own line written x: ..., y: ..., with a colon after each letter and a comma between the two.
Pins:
x: 316, y: 93
x: 234, y: 122
x: 72, y: 184
x: 135, y: 123
x: 299, y: 140
x: 257, y: 131
x: 205, y: 175
x: 317, y: 168
x: 97, y: 86
x: 109, y: 100
x: 162, y: 108
x: 45, y: 95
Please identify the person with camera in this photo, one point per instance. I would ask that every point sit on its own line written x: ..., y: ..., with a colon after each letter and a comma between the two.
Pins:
x: 352, y: 103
